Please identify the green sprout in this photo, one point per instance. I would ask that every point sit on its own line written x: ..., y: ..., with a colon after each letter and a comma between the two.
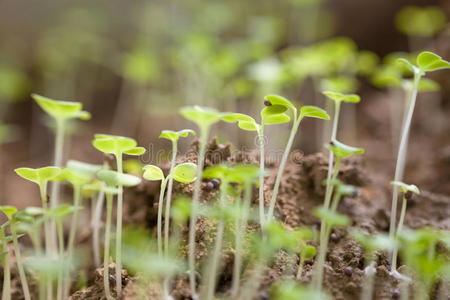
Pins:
x: 204, y: 117
x: 289, y: 290
x: 425, y: 62
x: 10, y: 212
x: 117, y: 146
x: 272, y: 114
x: 306, y: 251
x: 114, y: 182
x: 4, y: 241
x: 62, y: 112
x: 371, y: 244
x: 420, y: 21
x: 329, y: 220
x: 407, y: 190
x: 305, y: 111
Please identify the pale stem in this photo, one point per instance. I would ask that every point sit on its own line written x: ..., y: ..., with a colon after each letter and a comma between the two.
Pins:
x: 318, y: 274
x: 47, y: 238
x: 169, y: 199
x: 401, y: 157
x: 23, y: 277
x: 119, y: 229
x: 241, y: 227
x: 96, y: 227
x: 367, y: 292
x: 193, y: 221
x: 399, y: 229
x: 211, y: 285
x: 59, y: 289
x: 261, y: 175
x: 337, y: 108
x: 300, y: 267
x: 404, y: 290
x: 160, y: 210
x: 281, y: 168
x: 109, y: 204
x: 6, y: 291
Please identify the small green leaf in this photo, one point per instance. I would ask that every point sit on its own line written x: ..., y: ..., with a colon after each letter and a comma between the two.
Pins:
x: 61, y: 109
x: 175, y: 135
x: 136, y: 151
x: 39, y: 176
x: 63, y: 210
x: 330, y: 217
x: 202, y: 116
x: 181, y: 209
x: 217, y: 171
x: 152, y: 172
x: 82, y: 167
x: 428, y: 85
x: 346, y: 190
x: 307, y: 251
x: 113, y: 178
x: 341, y: 150
x: 75, y: 177
x: 274, y: 114
x: 428, y: 61
x: 111, y: 144
x: 313, y: 112
x: 403, y: 187
x: 244, y: 122
x: 351, y: 98
x: 185, y: 172
x: 279, y: 100
x: 34, y: 211
x: 244, y: 173
x: 248, y: 126
x: 410, y: 66
x: 8, y: 210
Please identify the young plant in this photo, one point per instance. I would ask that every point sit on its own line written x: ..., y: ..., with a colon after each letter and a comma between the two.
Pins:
x: 337, y: 98
x: 407, y: 190
x: 117, y: 146
x: 306, y: 251
x: 371, y: 244
x: 4, y: 240
x: 329, y: 220
x: 425, y: 62
x: 272, y: 114
x: 62, y: 112
x: 298, y: 116
x: 204, y: 117
x: 10, y: 212
x: 113, y: 180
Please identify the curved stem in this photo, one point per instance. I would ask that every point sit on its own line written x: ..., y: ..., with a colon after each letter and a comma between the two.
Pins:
x: 23, y: 277
x: 281, y: 168
x: 193, y: 221
x: 211, y: 285
x: 119, y: 230
x: 109, y: 203
x: 159, y: 222
x: 401, y: 157
x: 399, y: 229
x: 261, y: 175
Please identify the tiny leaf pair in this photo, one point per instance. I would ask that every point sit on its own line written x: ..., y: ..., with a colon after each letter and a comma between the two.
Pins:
x: 113, y: 144
x: 427, y: 62
x: 62, y: 110
x: 184, y: 173
x: 175, y: 135
x: 341, y: 150
x: 39, y: 176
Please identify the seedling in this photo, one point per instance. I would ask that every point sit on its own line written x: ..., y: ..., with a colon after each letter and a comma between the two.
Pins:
x: 298, y: 115
x: 329, y: 220
x: 10, y: 212
x: 113, y: 180
x: 117, y: 146
x: 425, y: 62
x: 272, y: 114
x: 407, y: 191
x: 337, y: 98
x: 4, y: 240
x: 371, y: 244
x: 204, y: 117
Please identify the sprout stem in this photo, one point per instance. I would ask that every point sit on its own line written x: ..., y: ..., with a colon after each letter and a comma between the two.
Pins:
x: 401, y: 157
x: 204, y: 132
x: 212, y: 276
x: 241, y: 227
x: 6, y: 291
x: 318, y: 274
x: 281, y: 168
x: 169, y: 199
x: 399, y: 229
x: 337, y: 108
x: 23, y: 277
x: 261, y: 176
x: 119, y: 230
x: 109, y: 203
x: 367, y: 291
x: 59, y: 229
x: 160, y: 210
x: 96, y: 227
x: 47, y: 238
x: 300, y: 267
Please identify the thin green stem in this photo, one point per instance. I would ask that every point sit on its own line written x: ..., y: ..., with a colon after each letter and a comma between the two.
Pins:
x: 204, y: 132
x: 261, y: 175
x: 281, y: 168
x: 22, y: 275
x: 399, y: 229
x: 96, y: 227
x: 212, y: 274
x: 367, y: 292
x: 119, y: 230
x: 109, y: 204
x: 6, y: 291
x: 401, y: 157
x: 169, y: 199
x: 337, y: 108
x: 241, y: 227
x: 318, y: 274
x: 159, y: 222
x: 300, y: 267
x: 59, y: 289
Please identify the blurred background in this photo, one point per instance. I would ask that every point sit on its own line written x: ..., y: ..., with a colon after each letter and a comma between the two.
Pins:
x: 133, y: 64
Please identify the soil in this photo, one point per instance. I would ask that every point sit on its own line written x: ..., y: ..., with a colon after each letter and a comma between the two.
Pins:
x: 300, y: 191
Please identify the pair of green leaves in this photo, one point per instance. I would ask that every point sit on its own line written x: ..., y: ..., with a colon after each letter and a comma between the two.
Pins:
x: 117, y: 145
x: 426, y: 62
x: 39, y: 176
x: 404, y: 188
x: 305, y: 111
x: 114, y: 179
x: 204, y: 117
x: 281, y: 237
x: 332, y: 218
x: 339, y: 97
x: 373, y: 242
x: 175, y: 135
x: 184, y: 173
x: 242, y: 173
x: 341, y: 150
x: 340, y: 187
x: 61, y: 110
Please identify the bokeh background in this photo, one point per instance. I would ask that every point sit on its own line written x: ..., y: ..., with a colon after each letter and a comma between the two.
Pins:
x: 133, y: 64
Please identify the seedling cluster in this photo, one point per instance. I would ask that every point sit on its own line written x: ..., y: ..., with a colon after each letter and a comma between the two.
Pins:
x: 252, y: 232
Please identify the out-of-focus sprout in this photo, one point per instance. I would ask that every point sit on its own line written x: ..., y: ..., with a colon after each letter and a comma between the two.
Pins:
x: 289, y: 290
x: 420, y: 21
